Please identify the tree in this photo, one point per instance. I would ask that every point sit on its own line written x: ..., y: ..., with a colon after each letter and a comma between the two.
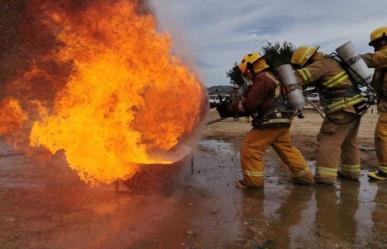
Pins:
x: 276, y: 54
x: 235, y: 76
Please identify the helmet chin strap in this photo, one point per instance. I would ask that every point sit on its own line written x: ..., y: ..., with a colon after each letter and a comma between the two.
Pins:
x: 250, y: 68
x: 313, y: 57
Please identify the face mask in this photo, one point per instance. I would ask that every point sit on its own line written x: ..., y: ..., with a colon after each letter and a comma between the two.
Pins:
x: 378, y: 46
x: 247, y: 83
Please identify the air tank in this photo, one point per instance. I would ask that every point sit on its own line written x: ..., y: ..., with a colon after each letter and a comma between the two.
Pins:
x: 289, y: 81
x: 358, y: 68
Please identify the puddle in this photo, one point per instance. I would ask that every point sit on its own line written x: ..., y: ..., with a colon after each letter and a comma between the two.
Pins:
x: 203, y: 209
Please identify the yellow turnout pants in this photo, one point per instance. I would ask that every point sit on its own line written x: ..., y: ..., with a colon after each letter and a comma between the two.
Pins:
x: 381, y: 141
x: 338, y: 147
x: 253, y: 149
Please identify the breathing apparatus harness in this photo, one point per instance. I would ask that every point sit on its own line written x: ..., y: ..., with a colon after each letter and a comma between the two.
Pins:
x: 358, y: 88
x: 279, y: 112
x: 360, y: 85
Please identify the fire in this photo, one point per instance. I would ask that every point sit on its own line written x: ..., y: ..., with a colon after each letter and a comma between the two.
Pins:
x: 128, y: 101
x: 12, y: 116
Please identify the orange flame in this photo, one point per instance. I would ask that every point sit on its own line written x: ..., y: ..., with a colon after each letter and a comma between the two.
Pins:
x: 129, y: 101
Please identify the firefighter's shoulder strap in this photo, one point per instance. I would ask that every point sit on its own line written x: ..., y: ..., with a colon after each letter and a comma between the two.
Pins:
x: 277, y: 115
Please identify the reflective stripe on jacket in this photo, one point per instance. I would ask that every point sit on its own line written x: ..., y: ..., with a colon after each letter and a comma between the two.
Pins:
x: 327, y: 74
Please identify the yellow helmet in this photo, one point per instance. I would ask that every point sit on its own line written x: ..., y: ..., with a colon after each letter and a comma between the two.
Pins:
x: 302, y: 54
x: 378, y: 34
x: 250, y: 59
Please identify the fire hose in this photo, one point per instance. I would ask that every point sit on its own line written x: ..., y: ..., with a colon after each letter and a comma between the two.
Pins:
x: 314, y: 106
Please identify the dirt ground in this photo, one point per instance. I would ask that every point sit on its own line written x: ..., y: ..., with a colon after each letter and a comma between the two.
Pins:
x: 43, y: 205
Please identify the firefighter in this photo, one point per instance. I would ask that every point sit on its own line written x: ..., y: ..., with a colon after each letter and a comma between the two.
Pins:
x: 338, y: 146
x: 378, y: 60
x: 264, y: 101
x: 235, y: 98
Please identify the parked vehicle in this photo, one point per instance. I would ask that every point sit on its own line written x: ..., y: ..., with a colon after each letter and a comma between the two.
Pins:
x: 312, y: 97
x: 215, y: 99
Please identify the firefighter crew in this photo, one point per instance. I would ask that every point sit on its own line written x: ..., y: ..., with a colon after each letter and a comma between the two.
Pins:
x: 338, y: 146
x: 271, y: 122
x: 378, y: 60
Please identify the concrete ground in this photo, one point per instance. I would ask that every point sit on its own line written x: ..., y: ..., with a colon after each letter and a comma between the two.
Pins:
x: 43, y: 205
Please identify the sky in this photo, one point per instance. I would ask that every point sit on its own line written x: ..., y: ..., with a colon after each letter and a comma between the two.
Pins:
x: 211, y: 35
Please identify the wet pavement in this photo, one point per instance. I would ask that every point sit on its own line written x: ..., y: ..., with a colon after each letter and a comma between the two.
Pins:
x: 43, y: 205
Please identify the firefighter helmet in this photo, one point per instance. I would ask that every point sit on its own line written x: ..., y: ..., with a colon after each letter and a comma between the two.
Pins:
x: 302, y: 55
x: 249, y: 60
x: 377, y: 35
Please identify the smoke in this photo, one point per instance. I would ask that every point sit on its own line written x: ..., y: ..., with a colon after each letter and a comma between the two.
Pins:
x: 24, y: 43
x: 27, y: 42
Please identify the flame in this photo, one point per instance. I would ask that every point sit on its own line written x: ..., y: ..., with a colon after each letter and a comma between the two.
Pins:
x: 12, y: 116
x: 128, y: 101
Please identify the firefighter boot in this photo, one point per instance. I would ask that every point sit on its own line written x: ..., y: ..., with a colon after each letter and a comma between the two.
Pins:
x: 324, y: 179
x: 350, y: 172
x: 378, y: 175
x: 305, y: 179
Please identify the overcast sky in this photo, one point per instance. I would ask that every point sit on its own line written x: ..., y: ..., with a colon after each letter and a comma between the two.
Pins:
x: 212, y: 35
